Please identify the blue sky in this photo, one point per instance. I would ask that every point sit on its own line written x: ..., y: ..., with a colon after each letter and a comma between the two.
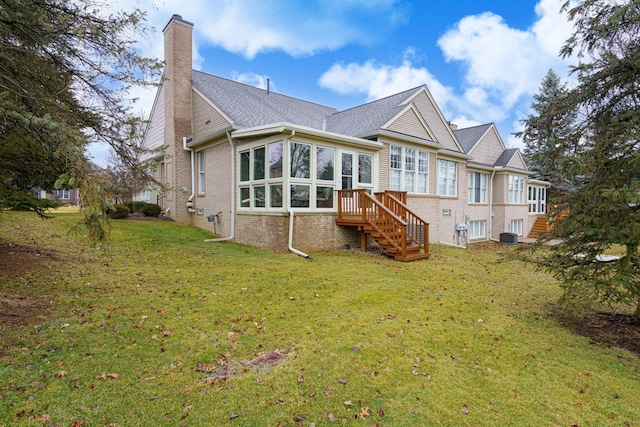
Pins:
x: 482, y: 60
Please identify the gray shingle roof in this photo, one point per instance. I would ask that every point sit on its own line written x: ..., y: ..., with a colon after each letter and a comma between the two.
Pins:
x: 250, y: 106
x: 365, y: 119
x: 468, y: 137
x: 505, y: 157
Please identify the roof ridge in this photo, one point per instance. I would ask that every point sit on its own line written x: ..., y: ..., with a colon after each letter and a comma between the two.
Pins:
x: 379, y: 99
x: 475, y: 126
x: 264, y: 90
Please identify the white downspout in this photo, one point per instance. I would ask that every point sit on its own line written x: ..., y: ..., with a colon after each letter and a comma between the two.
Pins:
x: 291, y: 218
x: 491, y: 209
x: 233, y: 194
x: 291, y: 248
x: 193, y: 171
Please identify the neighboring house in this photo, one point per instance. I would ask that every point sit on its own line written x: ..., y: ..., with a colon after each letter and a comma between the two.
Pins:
x: 66, y: 196
x: 246, y: 157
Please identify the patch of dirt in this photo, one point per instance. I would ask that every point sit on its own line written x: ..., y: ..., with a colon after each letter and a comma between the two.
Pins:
x: 17, y: 309
x: 225, y: 369
x: 610, y: 330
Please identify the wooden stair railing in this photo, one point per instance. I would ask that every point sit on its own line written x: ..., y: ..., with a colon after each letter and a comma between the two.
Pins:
x: 418, y: 228
x: 403, y: 240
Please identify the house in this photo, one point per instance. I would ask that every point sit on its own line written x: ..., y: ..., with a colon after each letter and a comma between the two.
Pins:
x: 71, y: 196
x: 279, y: 172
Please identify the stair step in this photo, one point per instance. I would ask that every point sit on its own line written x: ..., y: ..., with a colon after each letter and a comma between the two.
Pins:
x: 412, y: 257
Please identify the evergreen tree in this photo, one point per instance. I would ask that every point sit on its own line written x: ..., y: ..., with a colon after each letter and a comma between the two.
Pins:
x: 544, y: 132
x: 602, y: 153
x: 65, y: 71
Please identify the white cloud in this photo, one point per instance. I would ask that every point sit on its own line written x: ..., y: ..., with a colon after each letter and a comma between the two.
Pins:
x: 249, y: 27
x: 378, y: 80
x: 504, y: 65
x: 253, y: 79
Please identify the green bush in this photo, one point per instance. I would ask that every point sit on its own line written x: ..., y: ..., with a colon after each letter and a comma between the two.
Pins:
x: 151, y: 210
x: 119, y: 212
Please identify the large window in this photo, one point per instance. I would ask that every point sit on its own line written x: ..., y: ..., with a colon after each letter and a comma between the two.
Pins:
x: 516, y: 189
x: 477, y: 229
x: 200, y: 172
x: 478, y: 187
x: 408, y: 170
x: 304, y: 174
x: 447, y: 178
x: 62, y: 194
x: 537, y: 199
x: 261, y: 177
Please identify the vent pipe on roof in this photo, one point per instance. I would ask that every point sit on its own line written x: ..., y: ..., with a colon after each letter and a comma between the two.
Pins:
x: 268, y: 85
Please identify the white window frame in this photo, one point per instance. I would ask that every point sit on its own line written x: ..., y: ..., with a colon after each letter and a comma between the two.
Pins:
x: 63, y: 194
x: 447, y: 178
x: 477, y: 183
x: 516, y: 190
x: 537, y: 199
x: 145, y: 195
x: 255, y: 194
x: 408, y: 169
x: 516, y: 226
x: 478, y: 229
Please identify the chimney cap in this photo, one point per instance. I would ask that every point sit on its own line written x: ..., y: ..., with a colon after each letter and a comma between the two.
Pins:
x: 177, y: 17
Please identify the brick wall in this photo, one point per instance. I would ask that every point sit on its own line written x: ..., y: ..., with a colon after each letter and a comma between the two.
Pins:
x: 312, y: 233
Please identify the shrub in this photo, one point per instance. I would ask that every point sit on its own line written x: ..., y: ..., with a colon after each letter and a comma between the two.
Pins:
x: 151, y: 210
x: 119, y: 212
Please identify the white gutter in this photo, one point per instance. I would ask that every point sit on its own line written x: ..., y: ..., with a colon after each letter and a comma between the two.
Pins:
x: 193, y: 171
x: 233, y: 194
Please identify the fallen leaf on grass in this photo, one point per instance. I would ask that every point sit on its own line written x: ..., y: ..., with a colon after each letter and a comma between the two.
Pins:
x: 465, y: 410
x: 43, y: 417
x: 104, y: 376
x: 330, y: 417
x: 348, y: 403
x: 61, y: 374
x: 364, y: 413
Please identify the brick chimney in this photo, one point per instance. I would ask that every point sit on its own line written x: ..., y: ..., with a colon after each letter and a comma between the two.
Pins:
x: 177, y: 114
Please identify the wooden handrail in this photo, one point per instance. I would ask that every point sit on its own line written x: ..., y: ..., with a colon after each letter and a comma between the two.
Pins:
x: 359, y: 203
x: 415, y: 223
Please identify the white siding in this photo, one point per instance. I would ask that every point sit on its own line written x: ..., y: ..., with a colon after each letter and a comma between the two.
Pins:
x: 154, y: 136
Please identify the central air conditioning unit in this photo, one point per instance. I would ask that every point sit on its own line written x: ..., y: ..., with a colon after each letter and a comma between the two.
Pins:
x: 508, y: 238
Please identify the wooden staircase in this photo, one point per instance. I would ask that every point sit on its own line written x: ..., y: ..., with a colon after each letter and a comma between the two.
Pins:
x: 544, y: 224
x: 540, y: 227
x: 387, y: 219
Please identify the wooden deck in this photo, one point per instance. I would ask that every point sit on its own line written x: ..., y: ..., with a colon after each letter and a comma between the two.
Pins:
x: 387, y: 219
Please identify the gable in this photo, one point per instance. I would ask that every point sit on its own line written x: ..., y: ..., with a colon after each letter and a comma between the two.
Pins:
x: 154, y: 134
x: 207, y: 119
x: 517, y: 161
x: 435, y: 120
x: 488, y: 148
x: 410, y: 123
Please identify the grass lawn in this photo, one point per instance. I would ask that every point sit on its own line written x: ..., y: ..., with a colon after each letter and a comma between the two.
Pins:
x: 170, y: 330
